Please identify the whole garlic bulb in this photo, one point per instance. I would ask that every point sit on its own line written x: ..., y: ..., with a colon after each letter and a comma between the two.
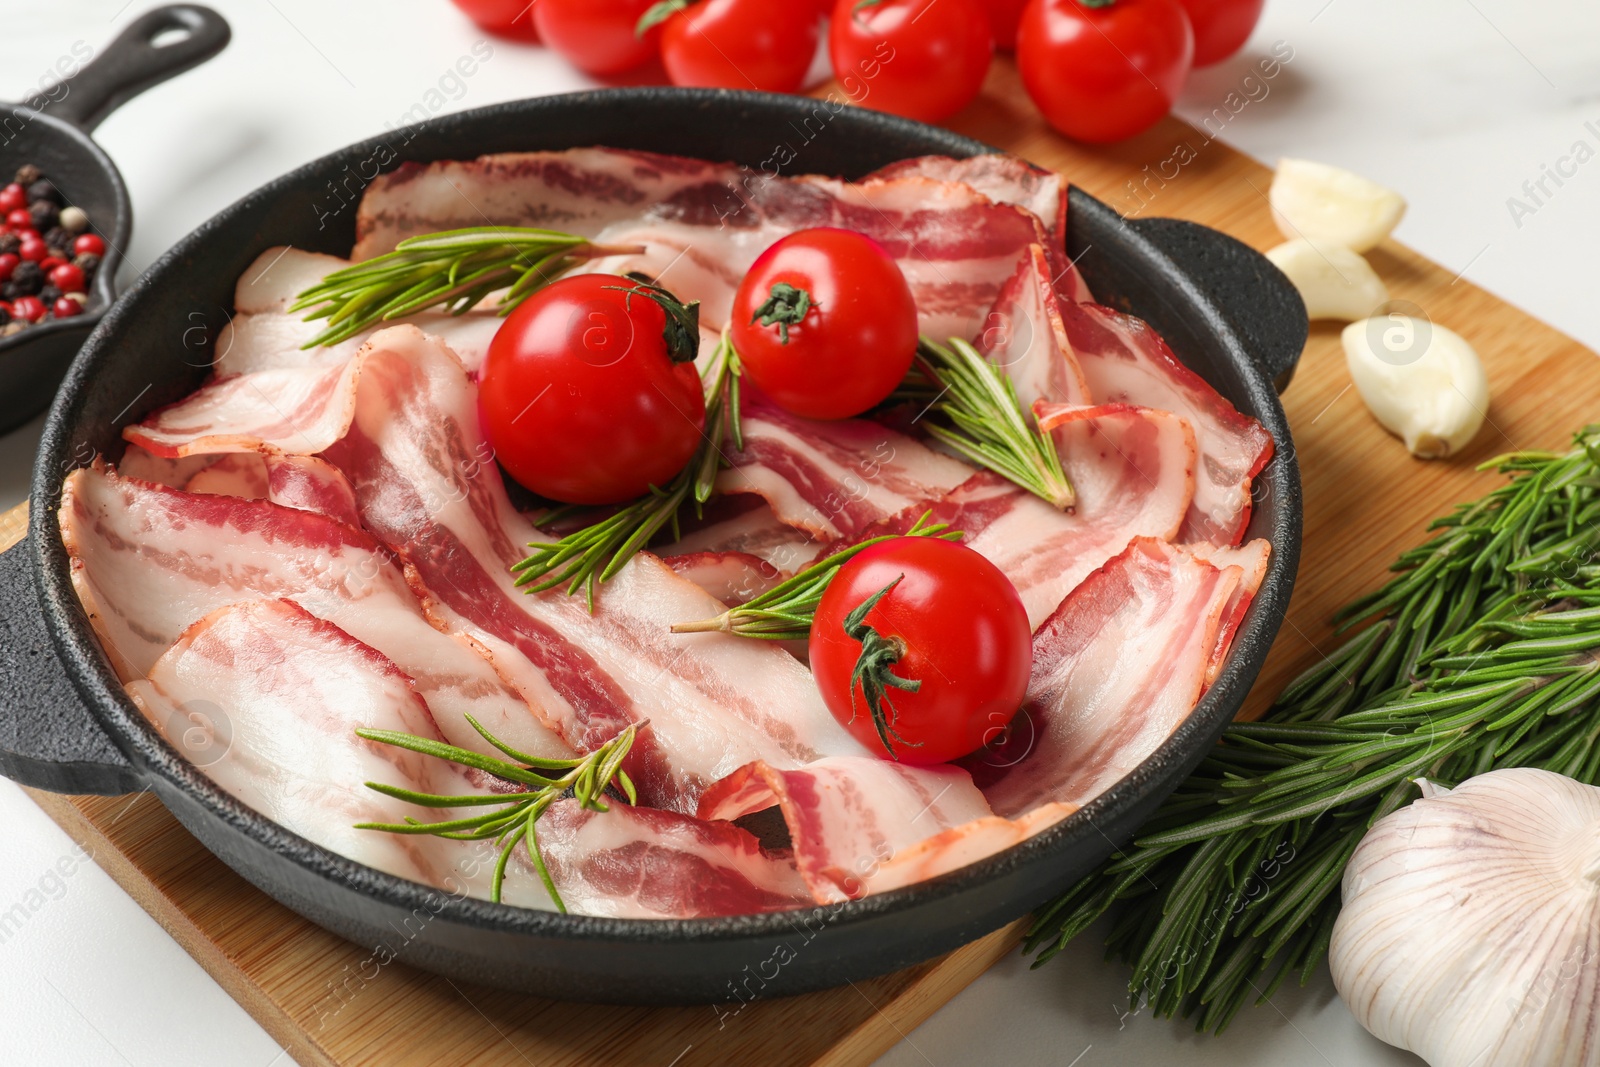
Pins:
x: 1419, y: 379
x: 1470, y: 933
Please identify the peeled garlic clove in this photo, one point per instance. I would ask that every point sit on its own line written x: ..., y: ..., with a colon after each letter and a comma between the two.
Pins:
x: 1334, y: 282
x: 1331, y: 205
x: 1467, y: 933
x: 1419, y: 380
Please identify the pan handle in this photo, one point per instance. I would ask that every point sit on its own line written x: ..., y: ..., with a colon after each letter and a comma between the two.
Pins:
x: 1254, y: 295
x: 48, y: 738
x: 134, y: 62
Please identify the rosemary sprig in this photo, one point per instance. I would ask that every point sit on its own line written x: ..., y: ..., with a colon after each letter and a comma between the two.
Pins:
x: 1482, y: 652
x: 516, y: 815
x: 987, y: 424
x: 588, y: 556
x: 784, y: 612
x: 455, y: 268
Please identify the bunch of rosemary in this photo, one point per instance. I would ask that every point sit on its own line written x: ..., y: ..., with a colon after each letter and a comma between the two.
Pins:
x: 454, y: 269
x: 785, y: 612
x: 515, y: 818
x: 1483, y: 652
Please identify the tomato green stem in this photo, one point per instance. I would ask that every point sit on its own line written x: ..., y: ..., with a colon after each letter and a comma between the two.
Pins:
x: 874, y: 670
x: 786, y: 306
x: 682, y: 331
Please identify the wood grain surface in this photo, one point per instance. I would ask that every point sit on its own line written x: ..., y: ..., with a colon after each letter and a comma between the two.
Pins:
x: 1366, y: 499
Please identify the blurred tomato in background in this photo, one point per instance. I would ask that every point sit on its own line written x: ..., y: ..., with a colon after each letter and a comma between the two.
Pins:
x: 507, y: 18
x: 1221, y: 27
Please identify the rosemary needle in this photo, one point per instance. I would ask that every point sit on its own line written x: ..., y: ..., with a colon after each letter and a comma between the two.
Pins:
x: 1483, y: 651
x: 515, y: 818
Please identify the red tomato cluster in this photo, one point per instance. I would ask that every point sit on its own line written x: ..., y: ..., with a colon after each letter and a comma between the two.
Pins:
x: 1099, y: 70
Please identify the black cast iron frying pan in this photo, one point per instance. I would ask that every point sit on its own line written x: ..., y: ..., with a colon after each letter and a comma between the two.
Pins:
x: 52, y: 131
x: 67, y: 727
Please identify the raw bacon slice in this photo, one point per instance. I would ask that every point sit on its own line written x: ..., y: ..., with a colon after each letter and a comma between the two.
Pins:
x: 744, y: 523
x: 863, y: 825
x: 264, y: 335
x: 148, y: 467
x: 1116, y: 669
x: 651, y: 864
x: 1124, y: 360
x: 241, y: 474
x: 849, y: 816
x: 311, y: 484
x: 148, y: 562
x: 416, y: 459
x: 302, y: 482
x: 283, y: 692
x: 1133, y: 470
x: 275, y: 695
x: 1024, y: 334
x: 1251, y: 559
x: 1003, y: 178
x: 703, y: 224
x: 1008, y: 179
x: 295, y: 410
x: 731, y: 577
x: 834, y: 479
x: 580, y: 191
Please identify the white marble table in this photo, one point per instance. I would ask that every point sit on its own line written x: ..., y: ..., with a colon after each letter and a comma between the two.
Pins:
x: 1455, y: 102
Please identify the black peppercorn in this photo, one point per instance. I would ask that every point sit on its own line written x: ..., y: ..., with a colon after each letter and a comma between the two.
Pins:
x: 57, y: 238
x: 5, y: 316
x: 27, y: 174
x: 9, y: 242
x: 45, y: 215
x: 49, y: 295
x: 43, y: 189
x: 27, y: 279
x: 87, y: 262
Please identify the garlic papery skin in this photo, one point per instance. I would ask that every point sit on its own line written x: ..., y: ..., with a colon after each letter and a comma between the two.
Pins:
x: 1333, y: 282
x: 1423, y: 382
x: 1470, y: 932
x: 1331, y: 205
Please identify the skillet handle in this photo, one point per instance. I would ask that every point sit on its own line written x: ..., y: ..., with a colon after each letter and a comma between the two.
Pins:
x: 131, y: 64
x: 1256, y: 297
x: 48, y: 738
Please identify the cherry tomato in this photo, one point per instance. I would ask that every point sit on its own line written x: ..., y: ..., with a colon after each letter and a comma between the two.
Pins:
x: 825, y: 323
x: 924, y: 59
x: 624, y: 409
x: 506, y: 18
x: 88, y: 242
x: 1221, y: 27
x: 738, y: 44
x: 1004, y: 16
x: 950, y: 625
x: 1104, y: 73
x: 597, y: 36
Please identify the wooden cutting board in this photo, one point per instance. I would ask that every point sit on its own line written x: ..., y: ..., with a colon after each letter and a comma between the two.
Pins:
x: 1366, y: 499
